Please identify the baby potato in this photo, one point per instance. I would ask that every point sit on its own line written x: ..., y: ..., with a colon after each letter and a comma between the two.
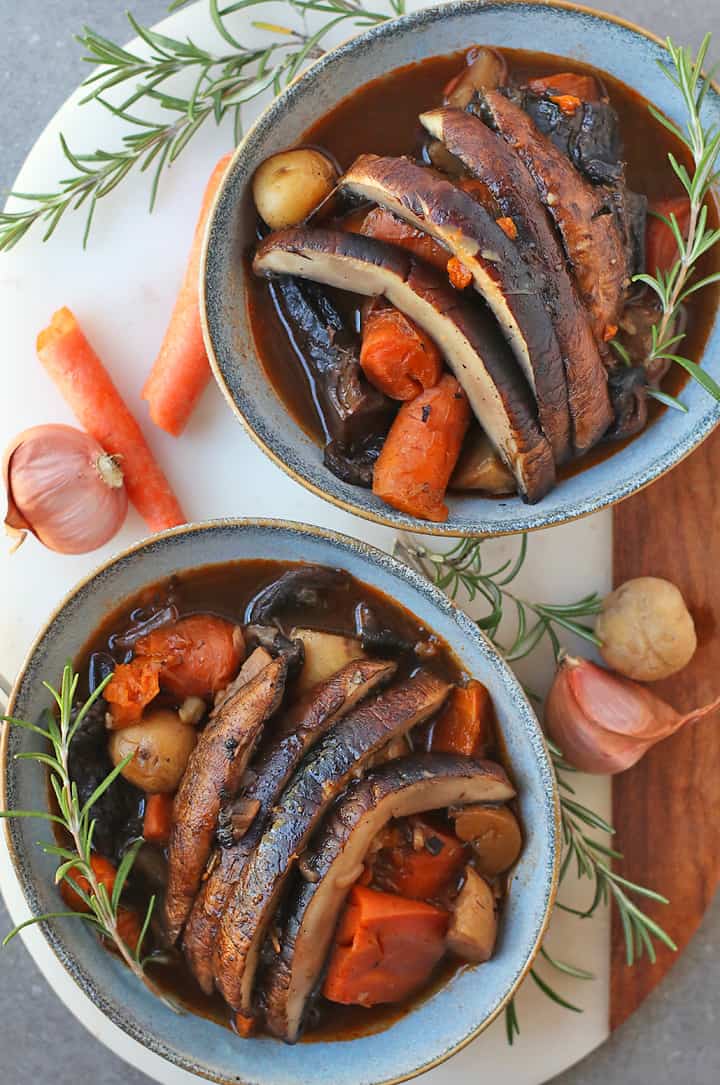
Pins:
x: 646, y: 630
x: 161, y: 744
x: 291, y: 184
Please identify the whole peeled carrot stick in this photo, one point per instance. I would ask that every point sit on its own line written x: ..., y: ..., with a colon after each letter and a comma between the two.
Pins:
x: 181, y: 370
x: 89, y: 391
x: 420, y: 451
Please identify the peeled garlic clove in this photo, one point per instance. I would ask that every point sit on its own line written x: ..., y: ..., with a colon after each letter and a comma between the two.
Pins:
x: 603, y: 723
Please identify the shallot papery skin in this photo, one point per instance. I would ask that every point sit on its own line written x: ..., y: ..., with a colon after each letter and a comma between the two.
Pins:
x: 604, y: 723
x: 63, y: 488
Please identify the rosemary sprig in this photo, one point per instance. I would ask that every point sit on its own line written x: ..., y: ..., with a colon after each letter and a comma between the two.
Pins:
x: 222, y: 82
x: 461, y: 569
x: 675, y: 286
x: 75, y: 820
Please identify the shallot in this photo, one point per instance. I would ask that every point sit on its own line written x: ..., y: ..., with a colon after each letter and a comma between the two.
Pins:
x: 63, y: 488
x: 604, y: 723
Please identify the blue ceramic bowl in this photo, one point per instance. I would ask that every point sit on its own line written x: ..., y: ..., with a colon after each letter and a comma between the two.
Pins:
x: 626, y: 52
x: 438, y: 1026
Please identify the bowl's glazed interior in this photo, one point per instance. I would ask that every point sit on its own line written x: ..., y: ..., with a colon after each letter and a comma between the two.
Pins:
x: 610, y: 45
x: 434, y: 1029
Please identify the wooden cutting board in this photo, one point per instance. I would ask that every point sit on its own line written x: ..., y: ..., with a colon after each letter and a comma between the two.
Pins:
x: 667, y: 808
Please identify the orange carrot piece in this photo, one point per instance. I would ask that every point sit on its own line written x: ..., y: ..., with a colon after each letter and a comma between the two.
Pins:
x: 385, y: 226
x: 424, y: 873
x: 385, y: 948
x: 129, y: 928
x: 567, y: 103
x: 661, y: 249
x: 420, y: 451
x: 396, y: 356
x: 458, y: 274
x: 104, y: 872
x: 245, y: 1025
x: 157, y: 819
x: 181, y: 370
x: 465, y: 723
x: 131, y: 689
x: 584, y: 87
x: 197, y: 655
x: 508, y: 227
x: 80, y: 377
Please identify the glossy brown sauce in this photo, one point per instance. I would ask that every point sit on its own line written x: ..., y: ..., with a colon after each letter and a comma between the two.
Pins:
x: 227, y: 590
x: 381, y: 118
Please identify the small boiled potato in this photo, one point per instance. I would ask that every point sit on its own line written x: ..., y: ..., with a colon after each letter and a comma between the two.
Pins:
x: 161, y: 744
x: 289, y: 185
x: 494, y: 834
x: 480, y: 467
x: 325, y: 653
x: 646, y: 630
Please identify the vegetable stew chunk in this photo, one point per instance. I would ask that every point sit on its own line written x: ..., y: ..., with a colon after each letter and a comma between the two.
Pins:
x: 473, y: 925
x: 386, y: 948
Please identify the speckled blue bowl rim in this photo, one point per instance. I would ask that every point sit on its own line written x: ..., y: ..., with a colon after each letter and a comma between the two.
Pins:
x: 603, y: 485
x: 516, y: 702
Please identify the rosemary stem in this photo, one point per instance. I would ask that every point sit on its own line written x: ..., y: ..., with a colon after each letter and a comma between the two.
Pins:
x: 106, y: 914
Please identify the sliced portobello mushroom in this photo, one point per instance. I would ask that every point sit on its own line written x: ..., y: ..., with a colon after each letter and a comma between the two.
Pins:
x: 304, y: 586
x: 511, y: 287
x: 279, y: 755
x: 582, y: 213
x: 343, y: 753
x: 467, y: 336
x: 355, y: 414
x: 213, y: 774
x: 589, y: 136
x: 408, y: 786
x: 491, y: 160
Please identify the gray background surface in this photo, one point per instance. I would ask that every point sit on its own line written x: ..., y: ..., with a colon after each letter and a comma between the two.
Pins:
x: 674, y: 1037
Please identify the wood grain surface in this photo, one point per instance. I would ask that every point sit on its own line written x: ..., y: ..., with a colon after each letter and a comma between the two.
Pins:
x: 667, y: 808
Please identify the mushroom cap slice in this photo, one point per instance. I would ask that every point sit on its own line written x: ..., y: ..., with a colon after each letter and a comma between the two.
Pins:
x: 508, y: 284
x: 294, y: 733
x: 468, y: 337
x: 410, y: 785
x: 213, y: 774
x: 491, y: 160
x: 344, y: 752
x: 582, y: 212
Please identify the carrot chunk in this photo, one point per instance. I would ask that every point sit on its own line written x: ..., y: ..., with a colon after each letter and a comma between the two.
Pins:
x: 129, y: 928
x: 385, y: 948
x: 584, y: 87
x: 245, y: 1025
x: 197, y: 655
x: 420, y: 451
x: 458, y: 274
x: 508, y: 227
x: 131, y: 689
x: 396, y: 356
x: 103, y: 870
x: 181, y: 370
x: 465, y: 723
x: 661, y: 249
x: 423, y: 867
x: 87, y: 388
x: 157, y: 820
x: 385, y: 226
x: 567, y: 103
